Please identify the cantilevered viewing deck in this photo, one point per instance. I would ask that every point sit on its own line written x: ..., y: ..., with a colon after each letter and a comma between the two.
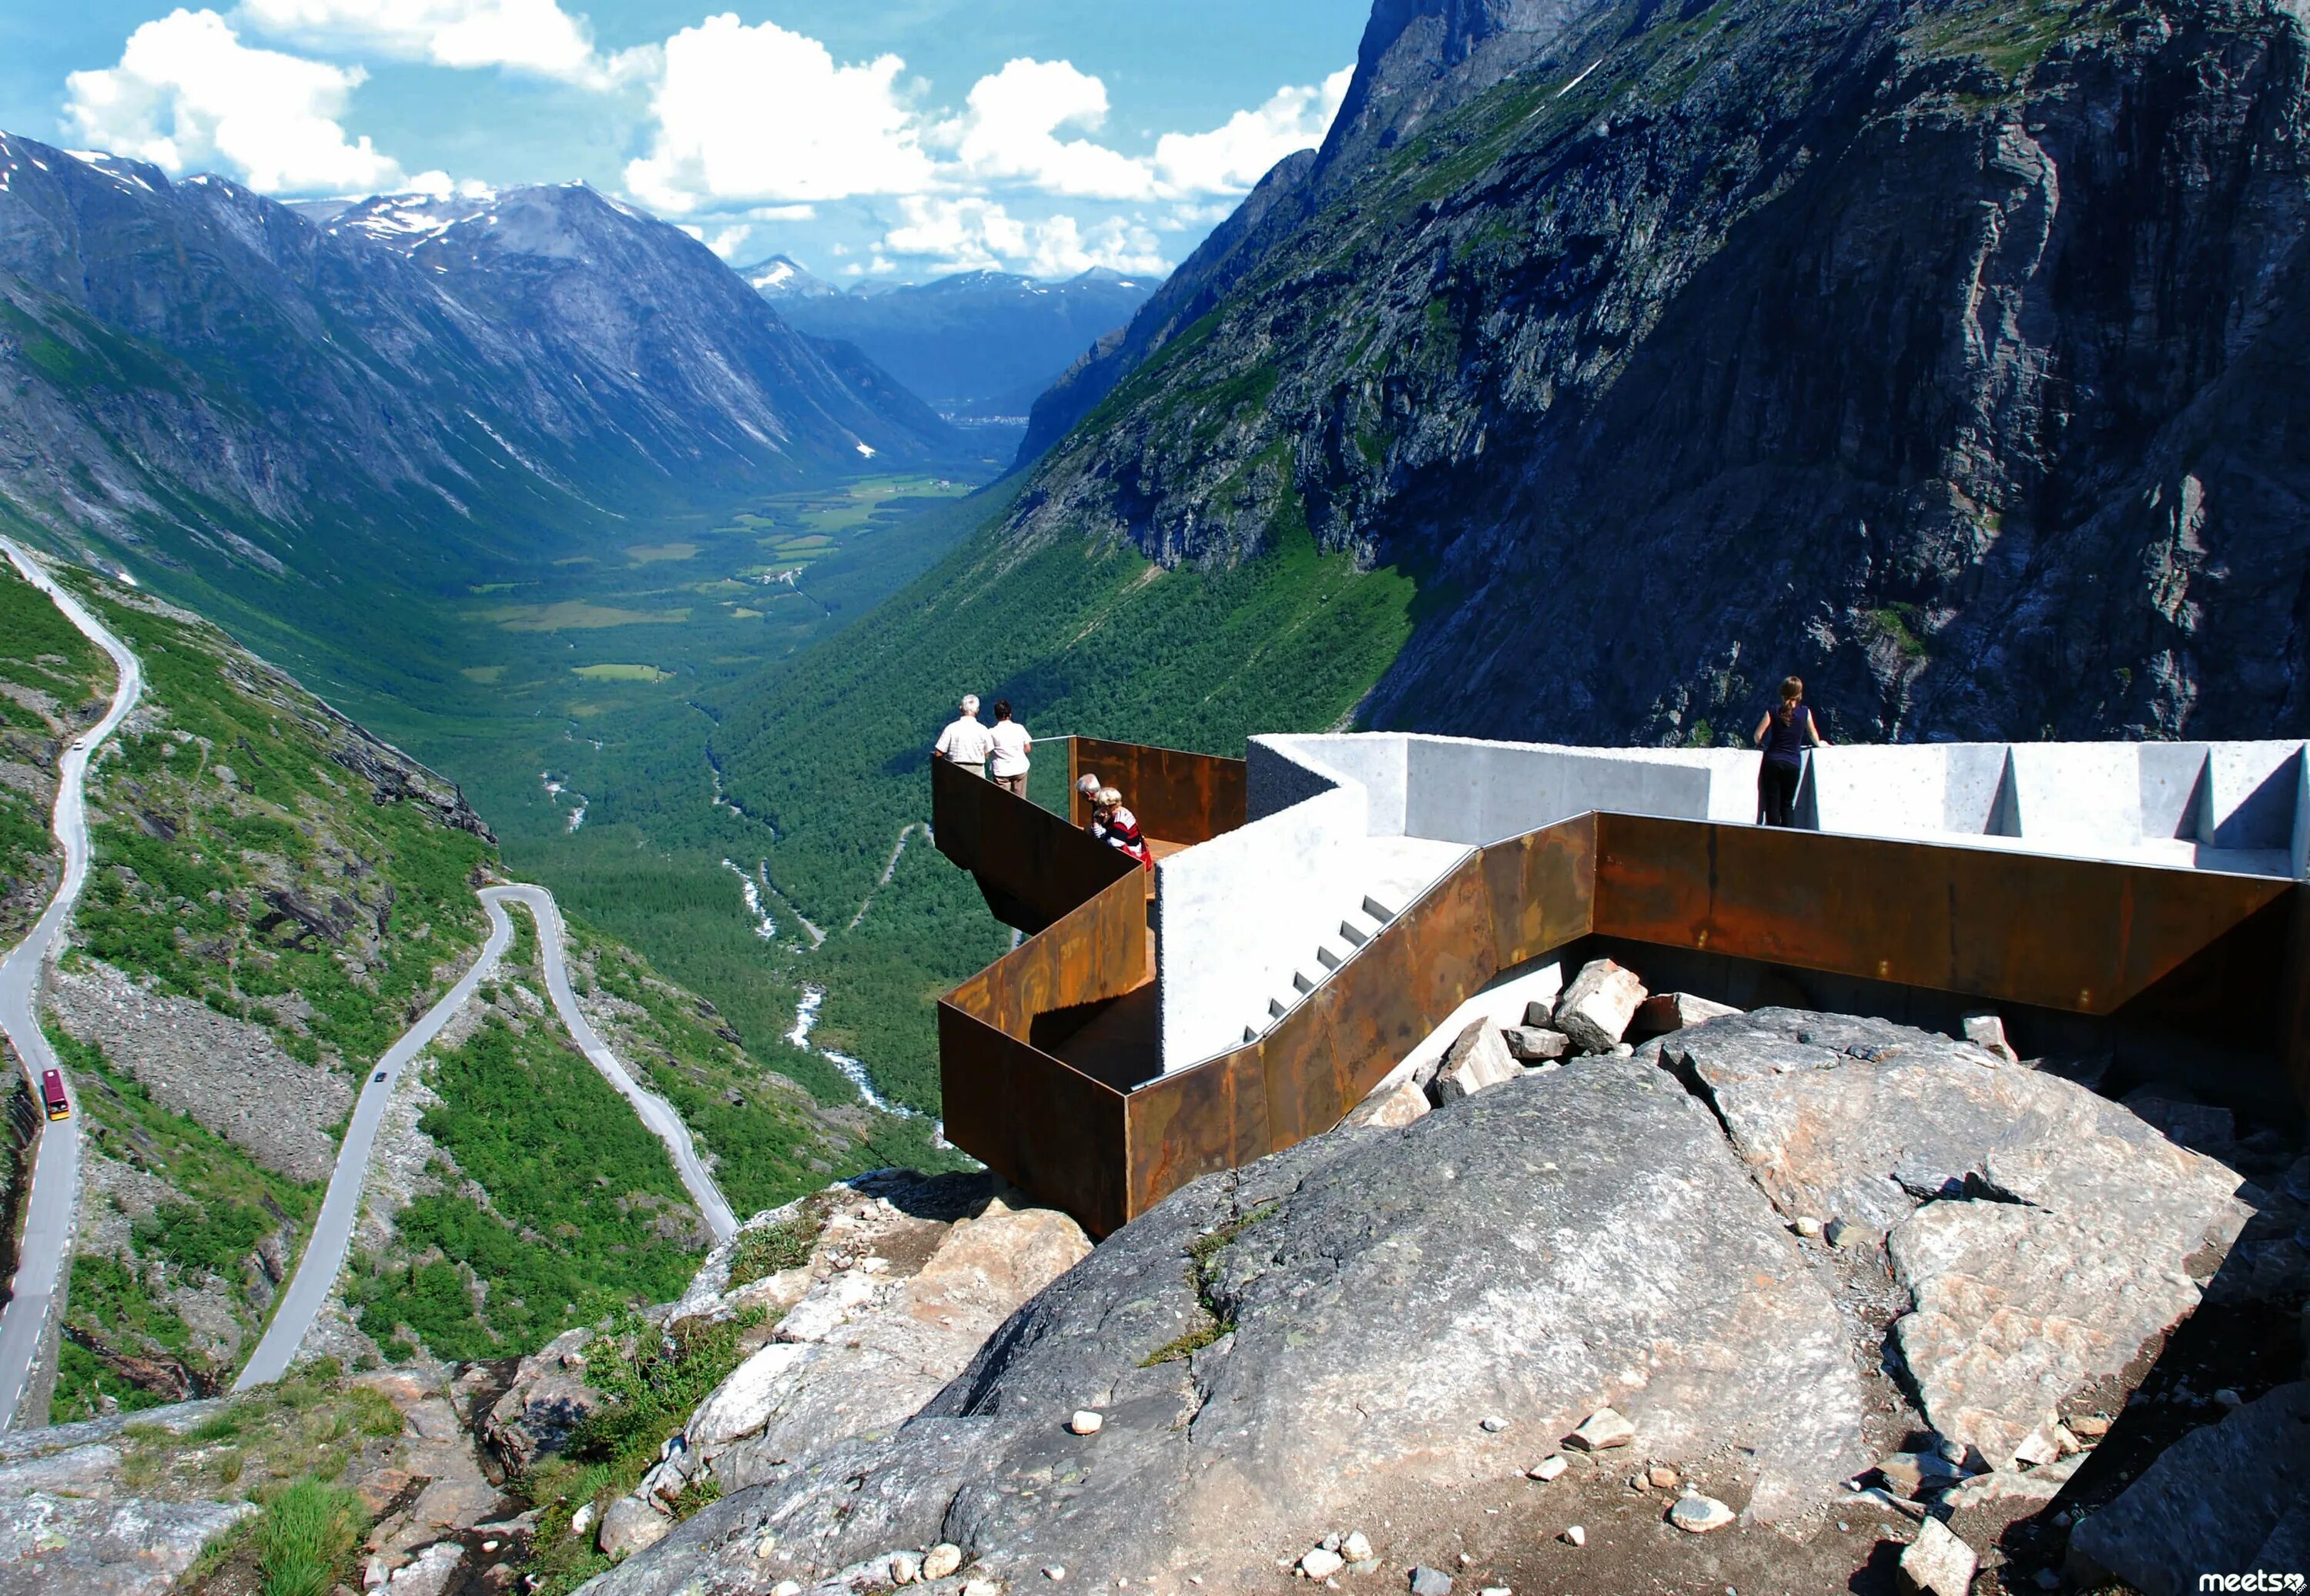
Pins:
x: 1319, y: 910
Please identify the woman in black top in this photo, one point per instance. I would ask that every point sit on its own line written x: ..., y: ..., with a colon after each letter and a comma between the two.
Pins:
x: 1784, y: 734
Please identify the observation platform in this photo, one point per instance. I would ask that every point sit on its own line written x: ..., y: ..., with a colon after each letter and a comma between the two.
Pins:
x: 1321, y: 908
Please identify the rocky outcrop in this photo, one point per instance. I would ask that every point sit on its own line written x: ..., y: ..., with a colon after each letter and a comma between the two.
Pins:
x: 1948, y: 354
x: 2229, y: 1499
x: 1614, y: 1258
x: 1276, y: 1350
x: 2044, y: 1234
x: 97, y: 1547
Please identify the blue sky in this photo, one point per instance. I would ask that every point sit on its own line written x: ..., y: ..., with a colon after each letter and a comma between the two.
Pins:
x: 897, y: 140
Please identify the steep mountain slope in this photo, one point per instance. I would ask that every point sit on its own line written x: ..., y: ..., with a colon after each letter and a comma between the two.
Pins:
x: 301, y: 423
x: 1950, y: 354
x: 978, y: 345
x: 277, y: 896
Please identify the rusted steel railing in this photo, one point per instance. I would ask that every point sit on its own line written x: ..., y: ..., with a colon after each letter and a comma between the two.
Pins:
x: 2073, y: 935
x: 1178, y: 797
x: 1032, y: 867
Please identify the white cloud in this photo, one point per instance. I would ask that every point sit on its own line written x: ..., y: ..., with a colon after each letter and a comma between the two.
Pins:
x: 1231, y: 159
x: 1009, y: 130
x: 760, y: 114
x: 188, y: 93
x: 972, y: 234
x: 524, y: 35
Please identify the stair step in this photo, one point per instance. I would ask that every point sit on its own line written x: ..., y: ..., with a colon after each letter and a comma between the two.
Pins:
x: 1350, y: 936
x: 1250, y: 1034
x: 1275, y: 1010
x: 1303, y: 981
x: 1331, y: 957
x: 1378, y: 910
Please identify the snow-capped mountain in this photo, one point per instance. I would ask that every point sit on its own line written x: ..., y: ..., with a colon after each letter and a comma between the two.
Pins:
x: 224, y: 381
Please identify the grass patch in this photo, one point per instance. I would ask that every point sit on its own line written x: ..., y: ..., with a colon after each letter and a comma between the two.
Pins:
x: 305, y: 1537
x: 615, y: 672
x: 571, y: 615
x: 765, y: 1252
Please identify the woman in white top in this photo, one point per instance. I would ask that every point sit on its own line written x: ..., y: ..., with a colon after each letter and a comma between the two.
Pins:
x: 1007, y: 753
x: 964, y: 742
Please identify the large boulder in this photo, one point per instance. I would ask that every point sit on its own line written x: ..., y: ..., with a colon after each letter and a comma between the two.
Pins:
x: 1338, y: 1322
x: 863, y: 1352
x: 2230, y: 1498
x: 546, y: 1401
x: 1595, y: 1009
x: 2044, y: 1232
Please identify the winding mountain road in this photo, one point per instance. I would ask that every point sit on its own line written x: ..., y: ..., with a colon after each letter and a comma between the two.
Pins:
x: 324, y: 1255
x: 56, y: 1169
x: 47, y: 1230
x: 654, y: 1111
x: 332, y: 1232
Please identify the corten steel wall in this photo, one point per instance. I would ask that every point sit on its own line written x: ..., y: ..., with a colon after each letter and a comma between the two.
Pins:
x: 2059, y: 933
x: 1179, y: 796
x: 1036, y: 1120
x: 1506, y: 904
x: 1032, y: 867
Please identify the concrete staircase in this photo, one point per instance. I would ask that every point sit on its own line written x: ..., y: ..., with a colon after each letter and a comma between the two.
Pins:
x: 1390, y: 873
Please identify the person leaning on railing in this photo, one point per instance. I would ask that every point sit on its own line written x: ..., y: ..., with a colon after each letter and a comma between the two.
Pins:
x: 1784, y: 734
x: 964, y: 742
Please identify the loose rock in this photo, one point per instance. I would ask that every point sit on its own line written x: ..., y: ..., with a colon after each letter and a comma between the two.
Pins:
x: 942, y: 1560
x: 1578, y: 1535
x: 1535, y: 1044
x: 630, y: 1524
x: 1392, y: 1107
x: 1321, y: 1563
x: 1085, y: 1422
x: 1673, y: 1011
x: 1357, y: 1547
x: 1987, y: 1032
x: 1937, y: 1563
x: 1595, y: 1009
x: 1476, y: 1059
x: 1699, y: 1514
x: 1493, y: 1423
x: 1601, y: 1429
x: 1661, y: 1476
x: 1806, y: 1225
x: 1549, y: 1468
x: 1431, y: 1582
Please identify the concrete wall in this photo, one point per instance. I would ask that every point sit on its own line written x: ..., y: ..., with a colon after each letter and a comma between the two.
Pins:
x: 1227, y: 909
x: 1283, y: 767
x: 1464, y: 791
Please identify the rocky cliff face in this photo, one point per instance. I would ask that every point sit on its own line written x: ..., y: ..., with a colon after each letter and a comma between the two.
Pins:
x: 1950, y: 354
x: 216, y: 380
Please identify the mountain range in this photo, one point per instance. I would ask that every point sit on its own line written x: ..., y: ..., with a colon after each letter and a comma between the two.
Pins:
x: 280, y: 407
x: 976, y: 346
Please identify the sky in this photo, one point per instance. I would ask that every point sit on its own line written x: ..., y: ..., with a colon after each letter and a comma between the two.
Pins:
x: 882, y: 140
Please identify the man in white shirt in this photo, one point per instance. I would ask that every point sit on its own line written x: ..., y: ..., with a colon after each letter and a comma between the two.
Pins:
x: 964, y: 742
x: 1008, y: 765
